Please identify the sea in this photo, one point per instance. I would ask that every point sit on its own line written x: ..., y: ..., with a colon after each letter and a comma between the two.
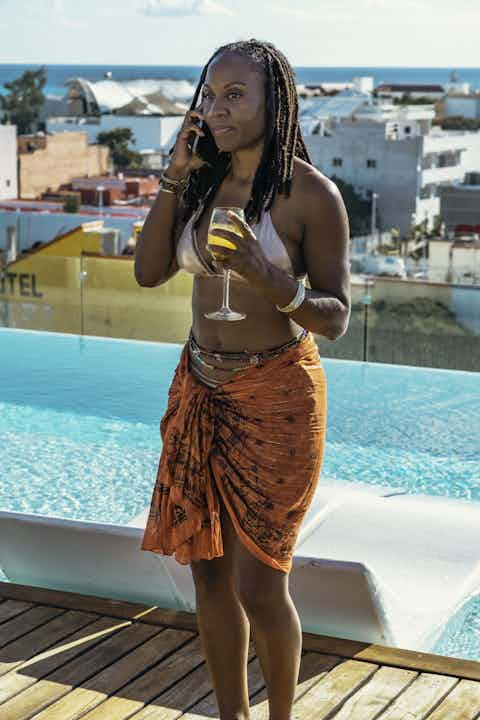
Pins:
x: 179, y: 81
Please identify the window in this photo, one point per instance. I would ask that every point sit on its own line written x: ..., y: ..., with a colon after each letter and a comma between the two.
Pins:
x: 7, y: 183
x: 371, y: 163
x: 337, y: 161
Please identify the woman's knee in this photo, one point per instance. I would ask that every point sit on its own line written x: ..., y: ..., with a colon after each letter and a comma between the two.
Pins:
x: 218, y: 572
x: 260, y: 587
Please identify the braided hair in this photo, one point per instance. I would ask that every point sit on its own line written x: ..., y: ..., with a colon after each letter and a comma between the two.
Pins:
x: 283, y: 136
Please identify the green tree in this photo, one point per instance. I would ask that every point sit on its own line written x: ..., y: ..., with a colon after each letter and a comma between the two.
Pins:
x: 358, y: 209
x: 72, y: 202
x: 117, y: 141
x: 24, y: 100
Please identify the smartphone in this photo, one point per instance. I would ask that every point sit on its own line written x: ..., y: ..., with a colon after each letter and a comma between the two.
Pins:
x: 204, y: 145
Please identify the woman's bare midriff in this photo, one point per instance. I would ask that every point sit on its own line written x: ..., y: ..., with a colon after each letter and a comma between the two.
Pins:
x: 264, y: 327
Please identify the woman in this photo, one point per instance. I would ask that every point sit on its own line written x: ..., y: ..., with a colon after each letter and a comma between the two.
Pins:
x: 244, y: 431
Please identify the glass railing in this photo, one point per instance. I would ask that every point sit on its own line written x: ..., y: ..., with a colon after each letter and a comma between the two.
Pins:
x: 407, y: 322
x: 41, y: 292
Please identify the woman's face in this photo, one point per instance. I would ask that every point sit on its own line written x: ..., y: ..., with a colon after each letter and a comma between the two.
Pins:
x: 233, y: 96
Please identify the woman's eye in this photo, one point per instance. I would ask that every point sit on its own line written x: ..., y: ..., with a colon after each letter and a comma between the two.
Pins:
x: 206, y: 94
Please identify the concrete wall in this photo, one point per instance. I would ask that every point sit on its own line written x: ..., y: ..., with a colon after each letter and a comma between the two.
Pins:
x: 8, y: 163
x: 67, y: 155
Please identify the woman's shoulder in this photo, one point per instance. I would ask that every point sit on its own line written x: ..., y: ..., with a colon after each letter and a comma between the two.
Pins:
x: 308, y: 184
x: 307, y: 178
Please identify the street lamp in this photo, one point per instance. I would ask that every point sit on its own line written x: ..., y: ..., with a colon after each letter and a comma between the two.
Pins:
x: 100, y: 189
x: 373, y: 224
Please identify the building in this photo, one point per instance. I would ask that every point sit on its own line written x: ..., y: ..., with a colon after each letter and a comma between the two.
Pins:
x: 152, y: 134
x: 466, y: 105
x: 460, y: 205
x: 46, y: 162
x: 393, y: 151
x: 8, y: 165
x: 414, y: 90
x: 455, y: 260
x: 26, y: 225
x: 143, y: 106
x: 316, y: 114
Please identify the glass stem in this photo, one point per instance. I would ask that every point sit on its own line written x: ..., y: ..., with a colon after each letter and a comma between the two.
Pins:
x: 226, y: 288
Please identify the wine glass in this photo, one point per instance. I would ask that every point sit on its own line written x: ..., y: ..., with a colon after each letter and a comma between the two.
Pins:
x: 221, y: 221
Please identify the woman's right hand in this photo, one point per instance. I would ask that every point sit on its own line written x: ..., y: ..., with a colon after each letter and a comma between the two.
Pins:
x: 183, y: 160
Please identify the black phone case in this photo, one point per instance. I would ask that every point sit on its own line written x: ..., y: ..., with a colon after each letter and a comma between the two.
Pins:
x: 205, y: 145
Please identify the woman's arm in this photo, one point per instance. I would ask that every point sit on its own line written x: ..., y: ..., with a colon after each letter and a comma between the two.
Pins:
x: 155, y: 260
x: 326, y: 243
x: 327, y: 305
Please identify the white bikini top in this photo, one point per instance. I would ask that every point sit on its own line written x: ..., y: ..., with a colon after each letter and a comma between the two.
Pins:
x: 189, y: 258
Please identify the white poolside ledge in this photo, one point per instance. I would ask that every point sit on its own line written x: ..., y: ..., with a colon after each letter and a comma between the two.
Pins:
x: 370, y: 564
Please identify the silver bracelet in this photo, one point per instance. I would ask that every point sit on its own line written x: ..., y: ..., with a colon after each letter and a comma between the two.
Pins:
x: 296, y: 301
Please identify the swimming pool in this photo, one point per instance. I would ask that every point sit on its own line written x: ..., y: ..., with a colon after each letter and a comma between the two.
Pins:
x: 79, y: 430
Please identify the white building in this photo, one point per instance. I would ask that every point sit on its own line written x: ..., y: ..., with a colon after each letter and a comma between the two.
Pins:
x: 455, y: 260
x: 8, y: 164
x: 152, y: 109
x: 151, y: 132
x: 464, y: 104
x: 393, y: 151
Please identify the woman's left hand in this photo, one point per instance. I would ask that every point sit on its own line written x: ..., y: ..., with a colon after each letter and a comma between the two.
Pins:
x: 248, y: 259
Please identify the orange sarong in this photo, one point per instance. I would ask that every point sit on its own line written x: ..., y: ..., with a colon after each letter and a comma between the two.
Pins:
x: 258, y: 439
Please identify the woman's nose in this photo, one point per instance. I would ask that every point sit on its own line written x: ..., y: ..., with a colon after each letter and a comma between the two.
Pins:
x: 214, y: 108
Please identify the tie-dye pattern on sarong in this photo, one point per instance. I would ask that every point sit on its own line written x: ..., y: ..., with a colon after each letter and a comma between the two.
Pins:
x: 258, y: 439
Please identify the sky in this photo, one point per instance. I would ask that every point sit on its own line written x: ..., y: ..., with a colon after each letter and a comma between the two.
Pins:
x: 402, y: 33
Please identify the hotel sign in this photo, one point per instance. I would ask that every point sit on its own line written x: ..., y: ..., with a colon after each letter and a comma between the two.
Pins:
x: 24, y: 284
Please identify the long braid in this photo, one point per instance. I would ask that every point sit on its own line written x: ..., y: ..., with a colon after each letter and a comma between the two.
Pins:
x: 283, y: 135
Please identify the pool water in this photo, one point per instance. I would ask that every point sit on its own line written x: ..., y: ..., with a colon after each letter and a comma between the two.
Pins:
x: 79, y: 430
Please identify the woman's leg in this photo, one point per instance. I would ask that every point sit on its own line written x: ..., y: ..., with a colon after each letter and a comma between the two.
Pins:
x: 276, y: 629
x: 223, y: 626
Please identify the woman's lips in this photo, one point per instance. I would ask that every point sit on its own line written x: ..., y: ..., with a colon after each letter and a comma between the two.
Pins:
x: 221, y: 131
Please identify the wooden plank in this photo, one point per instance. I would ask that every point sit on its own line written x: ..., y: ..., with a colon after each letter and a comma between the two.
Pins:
x: 184, y: 668
x: 313, y: 667
x: 25, y: 622
x: 462, y: 703
x: 421, y: 697
x: 38, y: 666
x: 396, y: 657
x: 60, y: 682
x: 116, y: 674
x: 193, y: 692
x: 369, y: 652
x: 329, y: 694
x: 376, y: 694
x: 43, y: 637
x: 10, y: 608
x: 151, y: 614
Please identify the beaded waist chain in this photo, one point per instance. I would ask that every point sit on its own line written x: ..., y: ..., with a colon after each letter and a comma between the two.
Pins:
x: 250, y: 358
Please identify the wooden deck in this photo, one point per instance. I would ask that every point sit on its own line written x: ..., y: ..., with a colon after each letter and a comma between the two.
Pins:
x: 65, y: 656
